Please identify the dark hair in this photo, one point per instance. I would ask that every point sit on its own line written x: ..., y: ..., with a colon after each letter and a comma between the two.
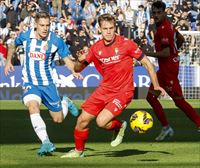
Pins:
x: 158, y: 5
x: 42, y: 14
x: 106, y: 17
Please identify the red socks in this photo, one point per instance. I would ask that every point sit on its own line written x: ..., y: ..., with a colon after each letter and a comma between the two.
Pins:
x: 80, y: 138
x: 115, y: 125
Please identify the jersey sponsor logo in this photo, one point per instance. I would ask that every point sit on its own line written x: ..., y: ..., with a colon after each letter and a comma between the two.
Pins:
x: 37, y: 56
x: 109, y: 60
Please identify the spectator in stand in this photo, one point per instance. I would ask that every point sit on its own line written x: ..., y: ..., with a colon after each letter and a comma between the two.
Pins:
x: 11, y: 16
x: 89, y: 12
x: 29, y: 21
x: 53, y: 23
x: 139, y: 38
x: 2, y: 14
x: 77, y: 12
x: 66, y: 10
x: 6, y: 31
x: 175, y: 10
x: 112, y: 7
x: 120, y: 17
x: 151, y: 29
x: 102, y: 9
x: 141, y: 21
x: 3, y: 52
x: 24, y: 8
x: 16, y: 3
x: 56, y: 5
x: 169, y: 14
x: 44, y: 5
x: 85, y: 27
x: 61, y: 26
x: 198, y: 21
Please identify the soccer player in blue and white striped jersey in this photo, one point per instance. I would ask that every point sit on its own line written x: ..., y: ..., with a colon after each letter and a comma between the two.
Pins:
x: 40, y: 46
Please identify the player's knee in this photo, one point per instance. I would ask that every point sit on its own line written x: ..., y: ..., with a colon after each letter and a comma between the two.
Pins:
x: 82, y: 122
x: 33, y: 108
x: 100, y: 123
x: 179, y: 102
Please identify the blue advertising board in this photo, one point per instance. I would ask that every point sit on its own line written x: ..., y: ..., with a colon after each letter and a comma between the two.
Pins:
x: 10, y: 86
x: 92, y: 77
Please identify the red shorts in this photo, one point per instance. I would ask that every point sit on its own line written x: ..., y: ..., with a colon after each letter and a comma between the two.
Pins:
x: 170, y: 84
x: 114, y: 102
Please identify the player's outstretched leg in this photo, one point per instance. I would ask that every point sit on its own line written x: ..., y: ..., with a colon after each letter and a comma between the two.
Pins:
x: 71, y: 106
x: 166, y: 132
x: 73, y: 154
x: 46, y: 148
x: 118, y: 135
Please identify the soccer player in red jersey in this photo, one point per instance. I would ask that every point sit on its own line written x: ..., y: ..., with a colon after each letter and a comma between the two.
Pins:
x: 167, y: 41
x: 113, y: 58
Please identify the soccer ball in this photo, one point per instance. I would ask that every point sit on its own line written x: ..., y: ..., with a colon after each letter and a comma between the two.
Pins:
x: 141, y: 121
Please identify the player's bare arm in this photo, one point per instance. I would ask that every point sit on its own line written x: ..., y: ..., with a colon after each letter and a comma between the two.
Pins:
x: 179, y: 39
x: 9, y: 66
x: 70, y: 65
x: 165, y: 52
x: 152, y: 73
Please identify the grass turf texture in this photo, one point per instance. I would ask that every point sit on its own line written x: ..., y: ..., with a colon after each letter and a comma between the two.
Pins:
x: 19, y: 142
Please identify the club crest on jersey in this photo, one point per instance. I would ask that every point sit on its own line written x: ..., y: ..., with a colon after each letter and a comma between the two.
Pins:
x: 26, y: 88
x: 100, y: 52
x: 46, y: 47
x: 116, y: 51
x: 37, y: 56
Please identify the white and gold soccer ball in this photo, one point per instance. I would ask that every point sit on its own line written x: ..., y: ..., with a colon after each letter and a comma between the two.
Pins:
x: 141, y: 121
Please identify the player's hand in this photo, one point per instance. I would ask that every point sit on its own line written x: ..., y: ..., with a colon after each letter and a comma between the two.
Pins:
x: 8, y: 68
x: 77, y: 75
x: 81, y: 54
x: 161, y: 90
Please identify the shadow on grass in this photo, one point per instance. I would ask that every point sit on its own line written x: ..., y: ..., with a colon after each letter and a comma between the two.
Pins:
x: 125, y: 153
x: 121, y: 153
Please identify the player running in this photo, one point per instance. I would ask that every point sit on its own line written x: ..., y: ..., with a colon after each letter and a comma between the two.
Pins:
x: 113, y: 58
x: 167, y: 42
x: 40, y: 46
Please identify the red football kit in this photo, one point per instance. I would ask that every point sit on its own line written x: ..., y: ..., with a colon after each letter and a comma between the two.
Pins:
x: 165, y: 36
x: 115, y: 63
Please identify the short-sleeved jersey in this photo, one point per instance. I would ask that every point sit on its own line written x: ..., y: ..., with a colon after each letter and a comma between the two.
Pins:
x: 37, y: 65
x: 165, y: 36
x: 115, y: 63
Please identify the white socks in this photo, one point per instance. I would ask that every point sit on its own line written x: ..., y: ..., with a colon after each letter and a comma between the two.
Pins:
x: 64, y: 104
x: 39, y: 126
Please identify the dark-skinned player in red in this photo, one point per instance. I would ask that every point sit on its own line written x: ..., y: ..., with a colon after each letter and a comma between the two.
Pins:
x: 167, y: 42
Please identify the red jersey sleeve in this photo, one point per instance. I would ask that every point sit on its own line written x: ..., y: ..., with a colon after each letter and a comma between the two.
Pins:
x: 134, y: 50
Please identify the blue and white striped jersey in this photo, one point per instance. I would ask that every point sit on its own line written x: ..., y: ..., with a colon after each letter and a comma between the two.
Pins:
x: 37, y: 65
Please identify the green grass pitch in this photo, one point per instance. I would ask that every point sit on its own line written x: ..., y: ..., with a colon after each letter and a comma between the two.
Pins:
x: 19, y: 144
